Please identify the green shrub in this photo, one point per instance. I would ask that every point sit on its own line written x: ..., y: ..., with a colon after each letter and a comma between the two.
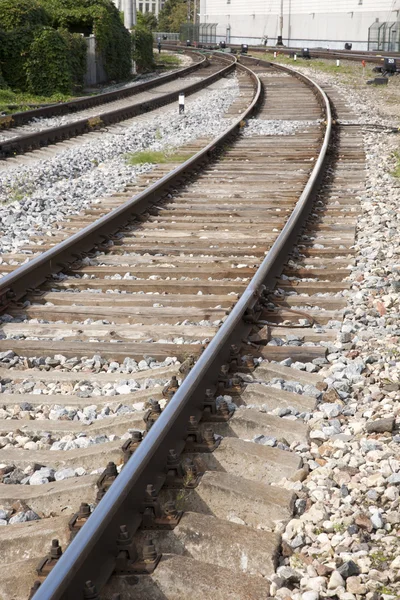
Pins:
x: 48, y: 64
x: 102, y: 18
x: 142, y: 48
x: 14, y: 51
x: 42, y: 51
x: 22, y: 13
x: 3, y: 84
x: 77, y: 50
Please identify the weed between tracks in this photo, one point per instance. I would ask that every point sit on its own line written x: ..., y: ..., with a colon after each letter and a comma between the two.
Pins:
x: 167, y: 60
x: 11, y: 102
x: 348, y: 69
x: 154, y: 157
x: 396, y: 170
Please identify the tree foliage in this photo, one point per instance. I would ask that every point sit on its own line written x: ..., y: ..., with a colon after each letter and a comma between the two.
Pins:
x: 103, y: 19
x: 173, y: 16
x: 147, y: 20
x: 48, y: 67
x: 22, y: 13
x: 142, y: 53
x: 41, y: 49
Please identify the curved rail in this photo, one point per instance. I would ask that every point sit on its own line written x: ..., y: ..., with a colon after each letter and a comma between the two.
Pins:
x: 55, y: 110
x: 369, y: 56
x: 52, y: 135
x: 95, y: 544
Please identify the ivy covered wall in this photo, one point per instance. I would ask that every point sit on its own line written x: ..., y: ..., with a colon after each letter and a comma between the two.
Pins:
x: 42, y: 49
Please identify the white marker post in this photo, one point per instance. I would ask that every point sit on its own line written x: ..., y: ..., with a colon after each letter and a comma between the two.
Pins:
x: 295, y: 57
x: 338, y: 63
x: 181, y: 104
x: 274, y: 54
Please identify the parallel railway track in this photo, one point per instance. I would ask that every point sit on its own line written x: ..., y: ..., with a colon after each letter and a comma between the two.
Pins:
x: 187, y: 269
x: 23, y: 132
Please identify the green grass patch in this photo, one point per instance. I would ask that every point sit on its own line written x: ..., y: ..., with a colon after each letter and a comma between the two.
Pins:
x: 169, y: 61
x: 11, y: 102
x: 153, y: 157
x: 325, y: 66
x: 396, y: 170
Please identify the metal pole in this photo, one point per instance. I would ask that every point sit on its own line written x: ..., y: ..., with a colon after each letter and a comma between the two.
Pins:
x: 134, y: 13
x: 281, y: 21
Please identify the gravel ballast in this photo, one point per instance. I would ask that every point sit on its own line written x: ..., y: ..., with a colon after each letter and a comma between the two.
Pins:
x: 344, y: 540
x: 40, y: 195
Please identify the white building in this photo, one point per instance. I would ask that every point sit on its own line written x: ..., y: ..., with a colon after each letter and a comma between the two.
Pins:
x: 327, y: 23
x: 143, y: 6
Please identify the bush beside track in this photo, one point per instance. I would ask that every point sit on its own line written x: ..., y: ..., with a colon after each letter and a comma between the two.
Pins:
x: 42, y: 51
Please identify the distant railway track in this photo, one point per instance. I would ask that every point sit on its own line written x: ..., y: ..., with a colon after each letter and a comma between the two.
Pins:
x: 189, y: 267
x: 374, y: 57
x: 28, y: 133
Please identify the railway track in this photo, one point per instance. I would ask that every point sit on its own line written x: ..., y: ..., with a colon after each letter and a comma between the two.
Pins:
x: 188, y: 272
x: 39, y: 128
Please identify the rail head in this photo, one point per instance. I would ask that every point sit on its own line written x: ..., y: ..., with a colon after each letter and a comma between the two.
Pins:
x: 95, y: 544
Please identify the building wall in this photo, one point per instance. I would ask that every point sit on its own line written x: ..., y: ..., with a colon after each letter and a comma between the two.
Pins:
x: 305, y: 22
x: 144, y: 6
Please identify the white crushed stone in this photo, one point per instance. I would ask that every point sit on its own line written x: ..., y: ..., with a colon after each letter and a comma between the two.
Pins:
x: 72, y: 180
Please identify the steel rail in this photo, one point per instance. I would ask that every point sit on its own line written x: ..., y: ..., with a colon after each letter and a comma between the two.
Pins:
x: 82, y: 126
x: 328, y: 54
x: 369, y: 56
x: 55, y: 110
x: 91, y: 555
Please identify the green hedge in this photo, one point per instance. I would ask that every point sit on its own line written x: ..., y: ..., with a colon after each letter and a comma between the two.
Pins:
x: 48, y: 67
x: 77, y: 50
x: 41, y: 51
x: 142, y: 48
x: 3, y: 84
x: 22, y: 13
x: 14, y: 51
x: 103, y: 19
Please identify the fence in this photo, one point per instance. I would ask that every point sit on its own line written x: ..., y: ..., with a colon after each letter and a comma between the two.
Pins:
x: 384, y: 36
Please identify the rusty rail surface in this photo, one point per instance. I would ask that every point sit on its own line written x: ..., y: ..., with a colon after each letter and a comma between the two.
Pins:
x: 53, y: 135
x: 92, y: 553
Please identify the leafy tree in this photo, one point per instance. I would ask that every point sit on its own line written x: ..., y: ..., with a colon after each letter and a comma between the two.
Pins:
x: 48, y: 64
x: 21, y: 13
x: 173, y: 15
x: 142, y: 48
x: 103, y: 19
x: 147, y: 21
